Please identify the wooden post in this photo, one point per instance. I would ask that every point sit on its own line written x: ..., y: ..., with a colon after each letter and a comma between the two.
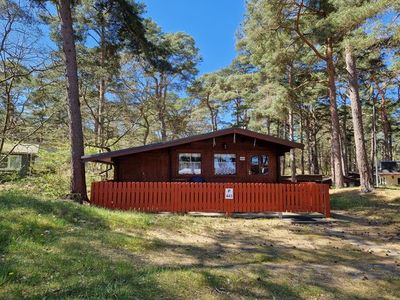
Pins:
x: 327, y: 201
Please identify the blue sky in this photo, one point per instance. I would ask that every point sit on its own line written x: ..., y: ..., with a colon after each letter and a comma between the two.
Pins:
x: 212, y: 23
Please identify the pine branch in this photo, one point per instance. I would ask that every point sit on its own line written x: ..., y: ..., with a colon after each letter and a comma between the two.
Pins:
x: 303, y: 37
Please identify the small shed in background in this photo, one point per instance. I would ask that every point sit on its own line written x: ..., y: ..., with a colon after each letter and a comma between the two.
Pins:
x: 18, y: 159
x: 389, y: 173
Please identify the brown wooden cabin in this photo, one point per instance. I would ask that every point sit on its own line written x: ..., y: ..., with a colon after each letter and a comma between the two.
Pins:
x: 228, y: 155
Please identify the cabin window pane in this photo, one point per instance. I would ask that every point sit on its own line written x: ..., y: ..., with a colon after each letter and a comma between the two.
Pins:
x: 15, y: 162
x: 189, y: 164
x: 11, y: 162
x: 225, y: 164
x: 259, y: 165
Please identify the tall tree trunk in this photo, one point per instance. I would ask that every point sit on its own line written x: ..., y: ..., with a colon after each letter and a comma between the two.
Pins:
x: 291, y: 127
x: 292, y: 151
x: 8, y: 112
x: 373, y: 142
x: 314, y: 153
x: 308, y: 141
x: 343, y: 153
x: 387, y: 131
x: 344, y: 140
x: 302, y: 163
x: 386, y: 126
x: 356, y: 111
x: 102, y: 91
x: 78, y: 182
x: 162, y: 116
x: 161, y: 95
x: 320, y: 160
x: 335, y: 129
x: 213, y: 114
x: 314, y: 166
x: 268, y: 124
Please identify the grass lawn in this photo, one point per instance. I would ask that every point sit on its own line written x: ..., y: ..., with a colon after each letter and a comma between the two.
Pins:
x: 57, y: 249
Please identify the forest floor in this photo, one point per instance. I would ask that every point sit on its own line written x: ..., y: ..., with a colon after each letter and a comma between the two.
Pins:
x: 57, y: 249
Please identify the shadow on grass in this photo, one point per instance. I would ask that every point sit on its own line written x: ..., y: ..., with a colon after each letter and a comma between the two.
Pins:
x: 61, y: 250
x: 58, y: 249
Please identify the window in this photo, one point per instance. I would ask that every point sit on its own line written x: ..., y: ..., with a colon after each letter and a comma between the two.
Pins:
x: 11, y: 162
x: 3, y: 162
x: 259, y: 165
x: 225, y: 164
x: 189, y: 164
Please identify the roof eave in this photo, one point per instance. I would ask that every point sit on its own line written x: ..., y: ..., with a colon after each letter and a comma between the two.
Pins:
x: 107, y: 156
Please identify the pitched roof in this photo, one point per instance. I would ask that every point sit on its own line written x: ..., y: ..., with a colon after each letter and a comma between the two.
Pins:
x: 107, y: 156
x: 21, y: 148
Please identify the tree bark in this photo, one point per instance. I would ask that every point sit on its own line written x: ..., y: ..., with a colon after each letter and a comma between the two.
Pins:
x: 344, y: 140
x: 78, y: 182
x: 292, y: 151
x: 356, y: 111
x: 102, y: 91
x: 373, y: 141
x: 8, y: 112
x: 387, y: 131
x: 268, y: 125
x: 335, y: 127
x: 314, y: 165
x: 291, y: 127
x: 302, y: 162
x: 283, y: 168
x: 213, y: 114
x: 313, y: 128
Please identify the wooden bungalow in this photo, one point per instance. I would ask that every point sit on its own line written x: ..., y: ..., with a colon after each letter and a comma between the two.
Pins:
x: 228, y: 155
x: 229, y: 160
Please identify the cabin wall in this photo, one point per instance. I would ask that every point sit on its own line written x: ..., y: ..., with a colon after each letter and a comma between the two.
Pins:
x: 146, y: 166
x: 163, y: 165
x: 242, y: 147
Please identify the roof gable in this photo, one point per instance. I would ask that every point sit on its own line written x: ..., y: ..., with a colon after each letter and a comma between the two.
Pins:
x: 107, y: 156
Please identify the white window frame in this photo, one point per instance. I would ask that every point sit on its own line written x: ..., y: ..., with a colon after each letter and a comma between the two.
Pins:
x: 191, y: 163
x: 224, y: 154
x: 8, y: 159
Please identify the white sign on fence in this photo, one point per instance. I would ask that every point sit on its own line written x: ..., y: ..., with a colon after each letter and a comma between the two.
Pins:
x: 229, y: 193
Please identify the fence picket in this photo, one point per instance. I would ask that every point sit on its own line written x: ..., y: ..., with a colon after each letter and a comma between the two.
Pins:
x: 210, y: 197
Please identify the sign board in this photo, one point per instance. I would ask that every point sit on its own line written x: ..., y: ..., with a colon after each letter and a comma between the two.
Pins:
x: 229, y: 194
x: 242, y: 158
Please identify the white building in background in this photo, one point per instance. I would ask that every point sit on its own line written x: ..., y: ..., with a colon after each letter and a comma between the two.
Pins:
x: 18, y: 159
x: 389, y: 173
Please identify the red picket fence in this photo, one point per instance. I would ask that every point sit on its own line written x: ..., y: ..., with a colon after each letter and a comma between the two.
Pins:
x: 211, y: 197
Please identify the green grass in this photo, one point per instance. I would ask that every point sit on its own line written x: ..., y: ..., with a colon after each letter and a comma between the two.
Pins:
x: 61, y: 249
x: 351, y: 201
x: 53, y: 249
x: 351, y: 198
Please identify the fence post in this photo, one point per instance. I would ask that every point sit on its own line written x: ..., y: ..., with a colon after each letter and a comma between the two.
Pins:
x: 92, y: 192
x: 327, y: 201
